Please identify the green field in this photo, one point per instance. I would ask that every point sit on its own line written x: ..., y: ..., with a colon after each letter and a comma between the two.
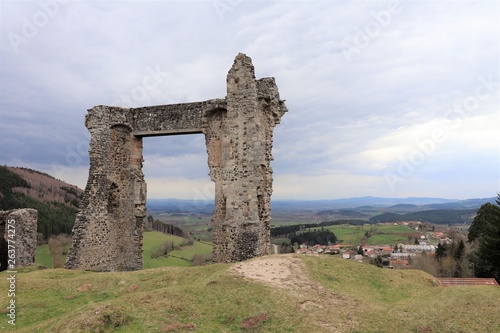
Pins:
x: 197, y: 225
x: 151, y: 242
x: 43, y: 256
x: 382, y: 234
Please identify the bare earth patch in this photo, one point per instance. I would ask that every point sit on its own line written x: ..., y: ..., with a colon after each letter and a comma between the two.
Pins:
x: 86, y: 287
x: 253, y: 322
x: 271, y: 270
x: 330, y: 310
x: 132, y: 288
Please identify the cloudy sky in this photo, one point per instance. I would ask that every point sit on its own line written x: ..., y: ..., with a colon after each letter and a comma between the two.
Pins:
x: 385, y: 98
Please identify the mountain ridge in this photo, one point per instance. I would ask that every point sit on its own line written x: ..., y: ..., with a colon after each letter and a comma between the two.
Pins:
x: 56, y: 201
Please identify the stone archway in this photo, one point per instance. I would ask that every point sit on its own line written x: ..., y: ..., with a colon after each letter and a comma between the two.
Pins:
x: 238, y: 130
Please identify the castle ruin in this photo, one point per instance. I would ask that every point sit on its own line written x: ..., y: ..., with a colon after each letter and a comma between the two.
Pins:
x: 238, y: 130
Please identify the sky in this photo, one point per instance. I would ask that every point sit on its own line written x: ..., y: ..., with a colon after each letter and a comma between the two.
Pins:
x: 385, y: 98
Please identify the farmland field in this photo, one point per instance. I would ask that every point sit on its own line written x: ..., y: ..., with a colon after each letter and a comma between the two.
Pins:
x: 152, y: 242
x: 381, y: 234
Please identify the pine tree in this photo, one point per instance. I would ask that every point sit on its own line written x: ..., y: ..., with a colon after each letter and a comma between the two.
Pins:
x: 459, y: 251
x: 440, y: 251
x: 485, y: 214
x: 486, y: 256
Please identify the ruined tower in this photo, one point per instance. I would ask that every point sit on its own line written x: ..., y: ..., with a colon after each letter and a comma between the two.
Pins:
x: 17, y: 238
x: 238, y: 129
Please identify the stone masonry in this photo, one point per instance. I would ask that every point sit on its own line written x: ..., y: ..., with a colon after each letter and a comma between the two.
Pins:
x: 18, y: 229
x: 238, y: 130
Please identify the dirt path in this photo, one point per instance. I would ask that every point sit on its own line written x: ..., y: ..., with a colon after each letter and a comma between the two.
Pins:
x: 330, y: 310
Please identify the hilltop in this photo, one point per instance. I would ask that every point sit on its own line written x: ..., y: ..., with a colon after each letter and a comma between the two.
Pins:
x: 45, y: 188
x: 284, y: 293
x: 56, y: 201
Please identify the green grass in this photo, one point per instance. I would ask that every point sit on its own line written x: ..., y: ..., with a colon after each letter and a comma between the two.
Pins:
x: 279, y: 241
x: 188, y: 252
x: 206, y: 298
x: 152, y: 242
x: 43, y: 256
x: 406, y: 300
x: 356, y: 296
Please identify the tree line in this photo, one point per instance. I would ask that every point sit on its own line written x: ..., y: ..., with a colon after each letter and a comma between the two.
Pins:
x: 166, y: 228
x: 287, y: 231
x: 313, y: 237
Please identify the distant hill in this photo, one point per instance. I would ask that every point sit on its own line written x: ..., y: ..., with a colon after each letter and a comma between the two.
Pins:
x: 43, y: 187
x: 343, y: 213
x: 403, y: 206
x: 56, y: 201
x: 361, y: 208
x: 179, y: 206
x: 438, y: 216
x: 377, y: 203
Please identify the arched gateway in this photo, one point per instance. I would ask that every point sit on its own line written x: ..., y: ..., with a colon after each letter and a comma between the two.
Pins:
x: 238, y: 129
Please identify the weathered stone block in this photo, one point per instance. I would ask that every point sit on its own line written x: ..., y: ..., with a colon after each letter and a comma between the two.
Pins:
x: 18, y: 229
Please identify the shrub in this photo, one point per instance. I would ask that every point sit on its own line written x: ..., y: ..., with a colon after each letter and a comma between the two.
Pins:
x: 58, y: 245
x: 163, y: 250
x: 199, y: 260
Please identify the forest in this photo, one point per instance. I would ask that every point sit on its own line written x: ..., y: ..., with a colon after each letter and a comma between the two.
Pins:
x: 53, y: 217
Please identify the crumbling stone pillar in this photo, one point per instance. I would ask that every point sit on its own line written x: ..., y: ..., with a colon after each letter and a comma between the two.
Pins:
x: 18, y: 228
x: 239, y: 143
x: 107, y: 235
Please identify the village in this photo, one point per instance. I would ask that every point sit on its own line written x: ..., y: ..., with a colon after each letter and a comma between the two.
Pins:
x: 391, y: 256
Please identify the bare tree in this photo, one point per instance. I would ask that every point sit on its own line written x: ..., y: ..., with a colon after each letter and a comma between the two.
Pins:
x: 58, y: 245
x: 426, y: 263
x: 198, y: 260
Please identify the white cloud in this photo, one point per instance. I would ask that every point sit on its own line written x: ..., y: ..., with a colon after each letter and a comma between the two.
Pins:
x: 327, y: 186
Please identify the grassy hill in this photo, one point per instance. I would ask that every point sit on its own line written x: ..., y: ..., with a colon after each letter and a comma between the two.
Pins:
x: 286, y: 293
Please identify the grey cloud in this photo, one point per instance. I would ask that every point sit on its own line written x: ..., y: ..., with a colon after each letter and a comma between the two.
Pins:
x: 427, y: 59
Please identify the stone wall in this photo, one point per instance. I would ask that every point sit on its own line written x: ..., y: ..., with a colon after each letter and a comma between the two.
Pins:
x: 239, y: 133
x: 18, y: 228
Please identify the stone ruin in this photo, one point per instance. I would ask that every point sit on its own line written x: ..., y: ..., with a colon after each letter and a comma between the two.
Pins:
x: 238, y: 130
x: 18, y: 229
